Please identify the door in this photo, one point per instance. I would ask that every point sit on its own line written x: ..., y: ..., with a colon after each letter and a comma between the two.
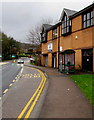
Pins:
x: 87, y: 59
x: 46, y: 60
x: 54, y: 61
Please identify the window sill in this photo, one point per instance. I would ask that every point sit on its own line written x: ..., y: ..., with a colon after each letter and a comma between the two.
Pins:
x: 43, y: 41
x: 66, y: 34
x: 87, y: 27
x: 54, y: 38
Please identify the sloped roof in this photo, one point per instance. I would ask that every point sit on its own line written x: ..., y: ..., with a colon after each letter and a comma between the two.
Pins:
x: 46, y: 26
x: 68, y: 13
x: 91, y: 6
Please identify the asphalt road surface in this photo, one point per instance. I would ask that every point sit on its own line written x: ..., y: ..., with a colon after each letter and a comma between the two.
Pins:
x: 9, y: 72
x: 24, y: 99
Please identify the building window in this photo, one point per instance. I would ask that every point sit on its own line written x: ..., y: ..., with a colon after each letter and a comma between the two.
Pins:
x: 88, y: 19
x: 65, y: 25
x: 43, y: 37
x: 54, y: 33
x: 50, y: 47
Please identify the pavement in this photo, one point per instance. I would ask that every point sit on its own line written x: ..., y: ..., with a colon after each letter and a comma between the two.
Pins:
x: 61, y: 98
x: 64, y: 99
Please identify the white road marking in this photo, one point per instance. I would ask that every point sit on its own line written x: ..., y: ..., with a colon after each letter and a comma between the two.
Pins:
x: 14, y: 80
x: 16, y: 77
x: 30, y: 76
x: 10, y: 85
x: 5, y: 91
x: 21, y: 70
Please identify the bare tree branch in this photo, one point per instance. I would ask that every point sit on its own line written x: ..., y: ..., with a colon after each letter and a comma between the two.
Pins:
x: 34, y: 34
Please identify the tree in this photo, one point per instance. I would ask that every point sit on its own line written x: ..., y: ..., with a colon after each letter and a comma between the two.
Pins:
x: 9, y: 46
x: 34, y: 35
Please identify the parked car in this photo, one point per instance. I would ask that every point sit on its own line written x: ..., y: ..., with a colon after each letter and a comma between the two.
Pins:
x: 29, y: 56
x: 20, y: 61
x: 32, y: 60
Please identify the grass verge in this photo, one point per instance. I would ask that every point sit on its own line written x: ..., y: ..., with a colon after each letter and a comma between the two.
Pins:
x: 86, y: 84
x: 32, y: 63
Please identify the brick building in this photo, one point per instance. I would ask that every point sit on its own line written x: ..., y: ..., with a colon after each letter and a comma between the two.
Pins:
x: 70, y: 41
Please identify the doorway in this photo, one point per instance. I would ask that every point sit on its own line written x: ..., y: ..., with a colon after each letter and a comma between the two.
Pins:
x: 87, y: 59
x: 46, y: 60
x: 54, y: 60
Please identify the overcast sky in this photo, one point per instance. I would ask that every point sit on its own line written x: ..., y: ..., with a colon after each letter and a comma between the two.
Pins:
x: 18, y: 18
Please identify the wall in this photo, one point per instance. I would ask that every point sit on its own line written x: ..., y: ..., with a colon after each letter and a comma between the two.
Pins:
x: 93, y: 36
x: 77, y: 23
x: 49, y: 35
x: 57, y: 60
x: 42, y: 60
x: 77, y: 40
x: 78, y: 59
x: 65, y: 42
x: 49, y: 59
x: 44, y: 48
x: 84, y: 39
x: 55, y: 45
x: 54, y: 48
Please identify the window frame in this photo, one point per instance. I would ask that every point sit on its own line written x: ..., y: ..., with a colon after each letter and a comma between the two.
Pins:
x: 44, y: 37
x: 66, y: 25
x: 88, y: 22
x: 54, y: 33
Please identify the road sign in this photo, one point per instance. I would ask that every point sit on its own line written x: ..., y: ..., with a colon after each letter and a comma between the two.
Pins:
x: 13, y: 56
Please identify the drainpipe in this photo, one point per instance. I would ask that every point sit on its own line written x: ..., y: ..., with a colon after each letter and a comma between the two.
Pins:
x: 58, y: 45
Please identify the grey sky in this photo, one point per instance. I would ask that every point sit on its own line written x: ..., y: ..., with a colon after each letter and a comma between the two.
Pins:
x: 20, y: 17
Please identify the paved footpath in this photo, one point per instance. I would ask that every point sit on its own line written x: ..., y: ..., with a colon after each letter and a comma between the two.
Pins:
x: 64, y: 99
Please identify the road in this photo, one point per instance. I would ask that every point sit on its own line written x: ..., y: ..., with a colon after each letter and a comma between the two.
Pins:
x: 24, y: 99
x: 9, y: 72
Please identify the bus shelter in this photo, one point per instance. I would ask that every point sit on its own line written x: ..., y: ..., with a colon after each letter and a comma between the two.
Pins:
x: 67, y: 61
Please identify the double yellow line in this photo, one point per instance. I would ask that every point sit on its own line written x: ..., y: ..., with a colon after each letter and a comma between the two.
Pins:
x: 33, y: 100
